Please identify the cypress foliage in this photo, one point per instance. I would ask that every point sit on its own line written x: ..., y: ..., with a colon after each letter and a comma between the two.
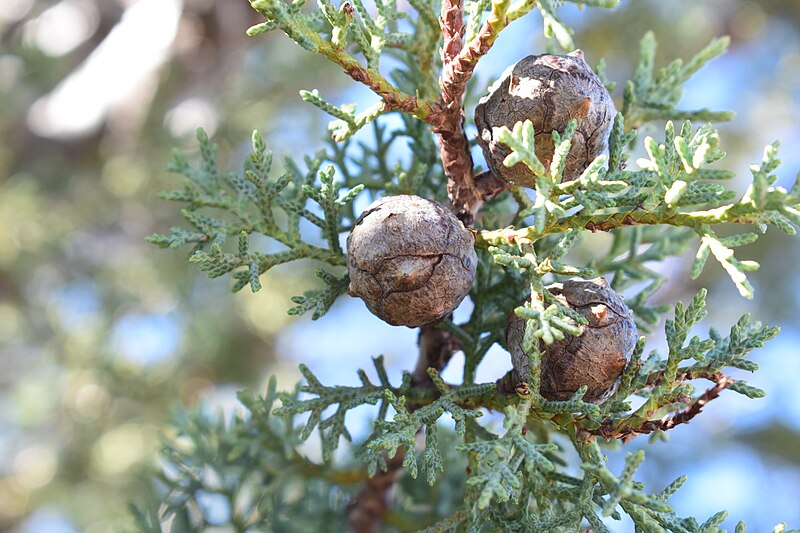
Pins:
x: 669, y: 203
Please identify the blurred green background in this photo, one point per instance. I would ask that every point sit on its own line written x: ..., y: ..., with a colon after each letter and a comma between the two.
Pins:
x: 102, y: 335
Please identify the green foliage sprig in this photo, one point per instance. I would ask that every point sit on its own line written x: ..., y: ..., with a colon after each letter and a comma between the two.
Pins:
x: 245, y: 468
x: 673, y: 187
x: 651, y: 97
x: 256, y: 203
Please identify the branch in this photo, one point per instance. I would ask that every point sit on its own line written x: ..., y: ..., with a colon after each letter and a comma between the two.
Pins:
x: 280, y: 15
x: 453, y: 143
x: 466, y: 192
x: 627, y: 433
x: 631, y: 216
x: 456, y: 75
x: 459, y: 62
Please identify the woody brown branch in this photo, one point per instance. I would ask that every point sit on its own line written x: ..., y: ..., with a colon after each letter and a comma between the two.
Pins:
x: 436, y: 348
x: 453, y: 143
x: 466, y: 193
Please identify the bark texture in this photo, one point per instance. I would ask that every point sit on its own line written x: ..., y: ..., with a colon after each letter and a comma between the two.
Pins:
x: 595, y: 358
x: 549, y: 91
x: 411, y: 260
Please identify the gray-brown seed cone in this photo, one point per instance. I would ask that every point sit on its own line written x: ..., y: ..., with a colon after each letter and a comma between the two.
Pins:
x: 411, y: 260
x: 595, y: 358
x: 549, y: 91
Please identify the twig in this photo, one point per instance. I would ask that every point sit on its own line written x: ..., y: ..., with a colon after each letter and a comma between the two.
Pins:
x: 655, y: 378
x: 458, y: 71
x: 295, y: 28
x: 626, y: 433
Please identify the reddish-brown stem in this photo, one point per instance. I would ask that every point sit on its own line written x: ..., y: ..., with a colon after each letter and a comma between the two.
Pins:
x: 467, y: 193
x: 626, y: 433
x: 453, y: 143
